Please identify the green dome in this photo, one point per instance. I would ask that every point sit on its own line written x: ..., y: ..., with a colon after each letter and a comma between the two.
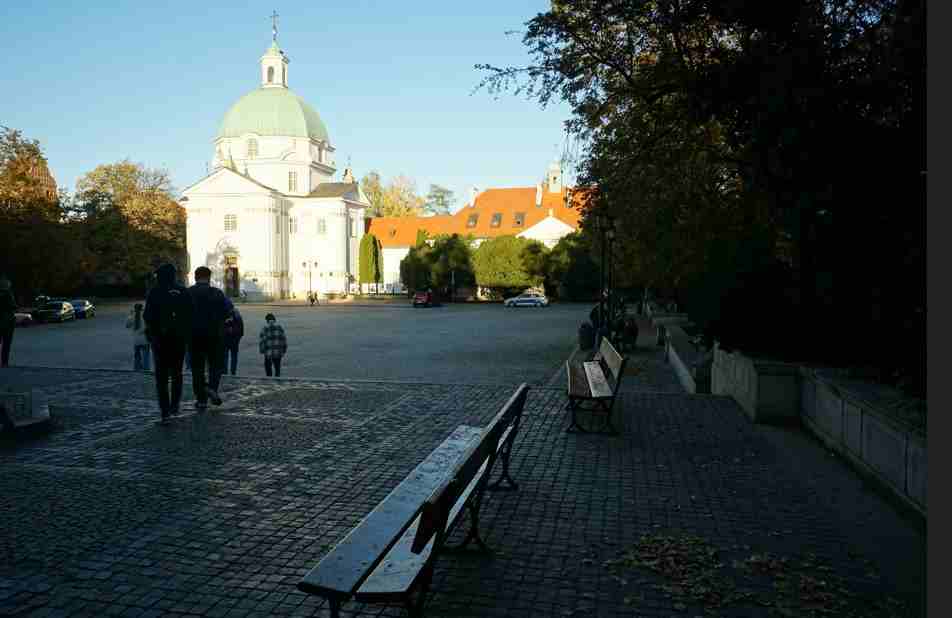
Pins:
x: 273, y: 111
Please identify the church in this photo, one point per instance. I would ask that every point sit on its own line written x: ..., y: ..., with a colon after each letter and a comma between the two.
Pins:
x: 269, y: 220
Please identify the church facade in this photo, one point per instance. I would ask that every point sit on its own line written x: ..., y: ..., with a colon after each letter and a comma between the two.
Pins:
x: 269, y: 220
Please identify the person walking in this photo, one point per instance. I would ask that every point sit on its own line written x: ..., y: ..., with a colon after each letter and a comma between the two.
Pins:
x: 8, y: 321
x: 140, y: 345
x: 208, y: 331
x: 234, y: 331
x: 273, y: 343
x: 168, y: 326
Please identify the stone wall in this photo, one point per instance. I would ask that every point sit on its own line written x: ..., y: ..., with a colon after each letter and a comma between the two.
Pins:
x: 768, y: 391
x: 692, y: 366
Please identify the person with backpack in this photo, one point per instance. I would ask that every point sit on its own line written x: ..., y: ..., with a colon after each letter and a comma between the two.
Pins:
x: 234, y: 331
x: 140, y: 345
x: 208, y: 332
x: 168, y: 326
x: 273, y: 343
x: 8, y: 321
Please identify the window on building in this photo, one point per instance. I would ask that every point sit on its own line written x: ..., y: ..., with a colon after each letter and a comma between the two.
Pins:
x: 292, y: 181
x: 252, y: 148
x: 231, y: 223
x: 292, y: 225
x: 270, y: 75
x: 520, y: 219
x: 471, y: 222
x: 321, y: 226
x: 496, y: 220
x: 393, y: 232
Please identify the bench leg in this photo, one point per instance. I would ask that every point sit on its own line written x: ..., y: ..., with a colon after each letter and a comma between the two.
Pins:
x: 609, y: 428
x: 471, y: 535
x: 510, y: 484
x: 335, y: 607
x: 574, y: 426
x: 415, y: 607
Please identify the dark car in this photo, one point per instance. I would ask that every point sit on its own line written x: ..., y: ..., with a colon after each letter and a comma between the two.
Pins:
x: 83, y: 308
x: 56, y: 311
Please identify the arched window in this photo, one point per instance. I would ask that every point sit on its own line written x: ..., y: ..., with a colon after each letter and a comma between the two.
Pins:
x: 270, y: 75
x: 252, y: 148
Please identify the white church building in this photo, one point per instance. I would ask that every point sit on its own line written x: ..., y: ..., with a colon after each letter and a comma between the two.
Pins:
x: 269, y: 220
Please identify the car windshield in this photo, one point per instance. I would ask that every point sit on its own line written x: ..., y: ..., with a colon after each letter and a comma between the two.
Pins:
x: 77, y: 302
x: 56, y: 306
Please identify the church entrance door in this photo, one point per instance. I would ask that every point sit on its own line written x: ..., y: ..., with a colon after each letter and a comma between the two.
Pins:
x: 231, y: 277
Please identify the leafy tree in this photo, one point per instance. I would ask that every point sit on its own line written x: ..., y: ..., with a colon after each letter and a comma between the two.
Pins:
x: 439, y: 201
x: 371, y: 259
x: 415, y: 268
x: 572, y: 270
x: 535, y: 260
x: 450, y: 262
x: 421, y: 238
x: 373, y: 189
x: 400, y: 199
x: 497, y: 263
x: 27, y: 190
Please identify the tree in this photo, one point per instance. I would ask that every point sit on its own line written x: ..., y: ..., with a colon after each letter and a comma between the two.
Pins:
x: 439, y: 201
x: 497, y: 263
x: 571, y: 269
x: 129, y: 218
x: 450, y: 262
x: 400, y: 199
x: 27, y: 190
x: 758, y: 125
x: 535, y: 260
x: 373, y: 189
x: 371, y: 260
x: 415, y: 268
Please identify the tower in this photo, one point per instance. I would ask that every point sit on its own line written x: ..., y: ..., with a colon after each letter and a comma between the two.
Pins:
x: 553, y: 177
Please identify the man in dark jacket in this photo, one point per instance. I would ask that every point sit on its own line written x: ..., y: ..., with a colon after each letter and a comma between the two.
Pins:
x: 234, y: 331
x: 208, y: 330
x: 168, y: 326
x: 8, y: 320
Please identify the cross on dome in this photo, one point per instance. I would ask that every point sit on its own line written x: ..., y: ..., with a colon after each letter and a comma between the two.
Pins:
x: 274, y: 26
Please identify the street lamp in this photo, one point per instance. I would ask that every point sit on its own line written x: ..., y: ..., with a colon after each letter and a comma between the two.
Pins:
x: 600, y: 225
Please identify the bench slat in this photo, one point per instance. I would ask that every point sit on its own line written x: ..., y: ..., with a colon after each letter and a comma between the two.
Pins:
x: 611, y: 357
x: 397, y: 574
x: 355, y: 557
x: 597, y: 380
x: 578, y: 383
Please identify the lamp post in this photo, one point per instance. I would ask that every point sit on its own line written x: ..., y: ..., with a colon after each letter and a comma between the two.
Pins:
x: 600, y: 225
x: 610, y: 286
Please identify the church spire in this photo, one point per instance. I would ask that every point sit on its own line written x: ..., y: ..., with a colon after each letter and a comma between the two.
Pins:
x: 274, y: 64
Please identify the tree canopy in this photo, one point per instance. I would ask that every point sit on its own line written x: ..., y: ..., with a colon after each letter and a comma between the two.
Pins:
x: 371, y: 259
x: 498, y: 263
x: 438, y: 201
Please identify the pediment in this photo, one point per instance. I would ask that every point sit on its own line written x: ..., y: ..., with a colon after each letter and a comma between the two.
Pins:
x: 224, y: 181
x: 550, y: 227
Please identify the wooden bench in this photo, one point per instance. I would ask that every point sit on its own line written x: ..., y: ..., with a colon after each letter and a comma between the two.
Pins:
x: 595, y: 383
x: 389, y: 556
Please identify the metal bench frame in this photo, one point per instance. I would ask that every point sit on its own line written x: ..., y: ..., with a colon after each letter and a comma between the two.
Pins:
x: 612, y: 366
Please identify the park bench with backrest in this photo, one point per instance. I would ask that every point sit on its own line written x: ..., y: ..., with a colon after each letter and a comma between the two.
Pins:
x: 389, y: 556
x: 593, y: 385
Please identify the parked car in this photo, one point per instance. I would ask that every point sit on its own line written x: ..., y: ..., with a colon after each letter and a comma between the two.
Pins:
x: 56, y: 311
x: 527, y: 299
x: 83, y: 308
x: 23, y: 319
x: 423, y: 299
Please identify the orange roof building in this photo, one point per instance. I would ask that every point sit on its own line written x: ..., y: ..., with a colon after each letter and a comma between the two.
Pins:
x: 546, y: 213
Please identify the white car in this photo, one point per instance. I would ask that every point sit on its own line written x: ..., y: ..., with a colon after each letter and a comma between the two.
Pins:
x: 527, y: 299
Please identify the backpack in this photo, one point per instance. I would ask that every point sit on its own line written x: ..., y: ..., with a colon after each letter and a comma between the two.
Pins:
x: 231, y: 327
x: 172, y: 318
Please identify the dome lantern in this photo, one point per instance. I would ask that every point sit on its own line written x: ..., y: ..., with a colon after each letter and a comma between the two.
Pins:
x: 274, y: 64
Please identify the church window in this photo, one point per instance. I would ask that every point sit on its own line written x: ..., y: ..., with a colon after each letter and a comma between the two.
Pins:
x: 321, y: 226
x: 252, y: 148
x: 292, y: 225
x: 520, y: 219
x: 292, y: 181
x: 231, y: 223
x: 496, y: 220
x: 471, y: 222
x: 270, y: 75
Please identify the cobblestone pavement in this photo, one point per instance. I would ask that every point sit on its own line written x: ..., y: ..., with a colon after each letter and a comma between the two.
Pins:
x: 220, y: 514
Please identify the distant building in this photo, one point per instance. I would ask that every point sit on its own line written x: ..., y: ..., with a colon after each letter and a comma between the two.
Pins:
x: 546, y: 212
x: 269, y: 220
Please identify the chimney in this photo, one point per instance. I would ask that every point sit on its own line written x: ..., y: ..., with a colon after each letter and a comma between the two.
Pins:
x: 472, y: 195
x: 539, y: 195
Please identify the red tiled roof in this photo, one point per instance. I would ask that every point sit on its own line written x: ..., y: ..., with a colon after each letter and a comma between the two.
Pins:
x: 402, y: 231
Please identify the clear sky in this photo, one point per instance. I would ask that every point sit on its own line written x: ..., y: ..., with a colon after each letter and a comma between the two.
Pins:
x: 98, y: 82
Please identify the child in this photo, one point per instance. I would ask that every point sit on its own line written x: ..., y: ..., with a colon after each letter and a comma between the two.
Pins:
x: 140, y: 345
x: 273, y: 344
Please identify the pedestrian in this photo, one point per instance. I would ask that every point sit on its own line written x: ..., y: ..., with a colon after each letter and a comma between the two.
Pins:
x: 168, y: 326
x: 140, y: 345
x: 273, y: 344
x: 208, y: 330
x: 8, y: 321
x: 234, y: 331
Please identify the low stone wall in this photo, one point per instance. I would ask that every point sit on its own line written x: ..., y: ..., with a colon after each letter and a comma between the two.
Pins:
x: 768, y: 391
x: 851, y: 419
x: 877, y: 443
x: 692, y: 366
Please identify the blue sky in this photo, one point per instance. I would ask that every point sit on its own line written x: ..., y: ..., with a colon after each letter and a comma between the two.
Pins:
x: 99, y: 82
